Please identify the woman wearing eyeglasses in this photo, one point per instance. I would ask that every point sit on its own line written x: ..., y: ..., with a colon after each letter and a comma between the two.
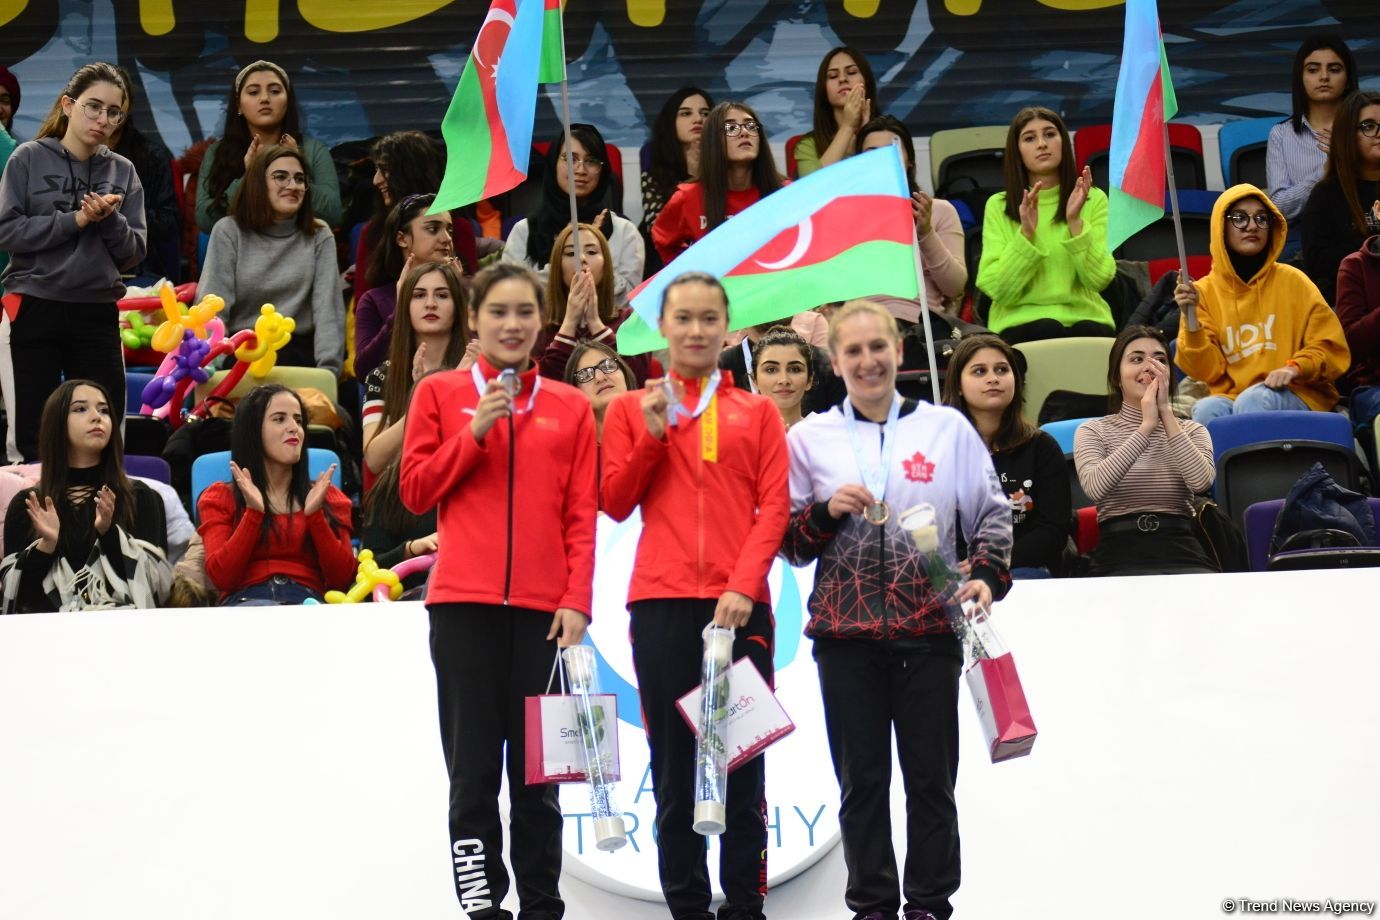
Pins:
x: 1344, y: 207
x: 72, y: 218
x: 598, y: 198
x: 599, y: 373
x: 272, y: 249
x: 736, y: 170
x: 1258, y: 333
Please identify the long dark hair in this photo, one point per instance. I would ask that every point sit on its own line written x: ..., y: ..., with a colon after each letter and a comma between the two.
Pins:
x: 896, y: 127
x: 397, y: 389
x: 825, y: 127
x: 668, y: 168
x: 1013, y: 166
x: 247, y: 450
x: 386, y: 259
x: 412, y: 163
x: 785, y: 335
x: 54, y: 477
x: 227, y: 164
x: 714, y: 162
x: 1310, y: 44
x: 55, y: 125
x: 251, y: 208
x: 1013, y: 431
x: 1124, y: 338
x: 1344, y: 158
x: 553, y: 211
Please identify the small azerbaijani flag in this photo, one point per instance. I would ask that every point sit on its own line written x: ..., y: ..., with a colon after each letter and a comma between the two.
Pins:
x: 1144, y: 101
x: 488, y: 126
x: 843, y: 231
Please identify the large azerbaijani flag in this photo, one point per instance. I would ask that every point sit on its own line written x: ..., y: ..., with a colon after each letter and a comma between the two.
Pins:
x: 488, y: 126
x: 843, y: 231
x: 1144, y: 101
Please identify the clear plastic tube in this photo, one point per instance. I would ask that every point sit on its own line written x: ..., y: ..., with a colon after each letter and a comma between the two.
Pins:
x: 711, y: 751
x: 609, y: 833
x: 971, y: 621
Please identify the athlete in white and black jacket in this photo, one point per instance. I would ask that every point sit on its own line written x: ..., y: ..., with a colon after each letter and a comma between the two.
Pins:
x: 886, y: 653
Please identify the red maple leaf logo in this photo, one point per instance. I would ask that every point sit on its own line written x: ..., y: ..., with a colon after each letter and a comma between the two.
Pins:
x: 918, y: 469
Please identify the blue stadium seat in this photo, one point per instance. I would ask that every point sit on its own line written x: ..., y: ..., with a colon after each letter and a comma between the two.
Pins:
x: 215, y: 467
x: 1232, y: 431
x: 1242, y: 147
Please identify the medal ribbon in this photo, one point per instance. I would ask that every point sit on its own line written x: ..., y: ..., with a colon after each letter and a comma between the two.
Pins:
x: 873, y: 477
x: 481, y: 385
x: 709, y: 432
x: 676, y: 410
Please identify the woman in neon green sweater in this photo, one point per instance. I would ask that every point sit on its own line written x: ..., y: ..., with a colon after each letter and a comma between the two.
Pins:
x: 1044, y: 240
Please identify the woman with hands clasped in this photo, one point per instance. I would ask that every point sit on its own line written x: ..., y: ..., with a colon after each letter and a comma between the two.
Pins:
x: 884, y: 644
x: 86, y: 536
x: 845, y: 100
x: 706, y: 463
x: 581, y: 298
x: 272, y: 534
x: 72, y: 219
x: 1044, y: 239
x: 507, y: 459
x: 1142, y: 466
x: 1258, y: 333
x: 261, y: 112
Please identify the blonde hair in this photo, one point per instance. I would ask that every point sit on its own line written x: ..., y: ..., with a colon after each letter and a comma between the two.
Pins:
x: 852, y: 308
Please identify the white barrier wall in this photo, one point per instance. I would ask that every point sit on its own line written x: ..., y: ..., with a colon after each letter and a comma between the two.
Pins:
x: 1202, y: 738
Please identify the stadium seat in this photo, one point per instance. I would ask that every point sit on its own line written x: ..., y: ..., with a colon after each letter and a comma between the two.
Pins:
x: 148, y: 467
x: 288, y: 376
x: 1198, y: 267
x: 1075, y: 364
x: 1092, y: 147
x: 1086, y: 534
x: 1158, y: 240
x: 215, y: 467
x: 135, y: 381
x: 1260, y: 526
x: 1063, y: 431
x: 1232, y: 431
x: 1267, y: 470
x: 1242, y: 146
x: 791, y: 169
x: 973, y: 152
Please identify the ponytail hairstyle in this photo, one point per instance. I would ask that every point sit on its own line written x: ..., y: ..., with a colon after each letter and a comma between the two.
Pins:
x: 55, y: 125
x: 386, y: 260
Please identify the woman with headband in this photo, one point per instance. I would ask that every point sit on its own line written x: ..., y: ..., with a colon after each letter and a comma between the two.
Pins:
x: 261, y: 112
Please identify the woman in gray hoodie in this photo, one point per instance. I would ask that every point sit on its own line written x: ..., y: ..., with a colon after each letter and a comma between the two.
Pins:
x: 72, y: 218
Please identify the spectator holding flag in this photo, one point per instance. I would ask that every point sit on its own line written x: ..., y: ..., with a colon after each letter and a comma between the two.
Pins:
x: 706, y: 462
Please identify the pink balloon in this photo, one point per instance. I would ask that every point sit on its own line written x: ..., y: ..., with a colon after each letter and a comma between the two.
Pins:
x: 403, y: 569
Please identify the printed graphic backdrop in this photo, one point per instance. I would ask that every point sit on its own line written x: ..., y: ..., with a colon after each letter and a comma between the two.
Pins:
x: 367, y: 67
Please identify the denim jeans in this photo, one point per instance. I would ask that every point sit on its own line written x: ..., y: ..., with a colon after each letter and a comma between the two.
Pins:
x: 277, y: 591
x: 1255, y: 398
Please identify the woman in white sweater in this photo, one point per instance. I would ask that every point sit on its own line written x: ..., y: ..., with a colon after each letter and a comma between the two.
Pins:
x: 271, y: 249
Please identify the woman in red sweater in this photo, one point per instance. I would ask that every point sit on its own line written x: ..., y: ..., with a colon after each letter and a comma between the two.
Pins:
x: 736, y: 170
x: 507, y: 458
x: 272, y: 536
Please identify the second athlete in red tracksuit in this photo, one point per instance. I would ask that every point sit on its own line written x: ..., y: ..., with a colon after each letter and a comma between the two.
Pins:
x: 709, y: 526
x: 516, y: 532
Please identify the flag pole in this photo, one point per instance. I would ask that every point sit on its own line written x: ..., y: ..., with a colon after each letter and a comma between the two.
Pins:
x: 920, y: 292
x: 570, y: 159
x: 1174, y: 203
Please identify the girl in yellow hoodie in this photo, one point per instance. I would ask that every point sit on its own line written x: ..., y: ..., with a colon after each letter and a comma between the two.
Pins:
x: 1258, y: 333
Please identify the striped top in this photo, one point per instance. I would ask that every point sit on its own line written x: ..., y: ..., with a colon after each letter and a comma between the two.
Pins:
x: 1293, y: 165
x: 1125, y: 472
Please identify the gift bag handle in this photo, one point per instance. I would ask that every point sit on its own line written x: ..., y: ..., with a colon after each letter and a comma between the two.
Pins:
x: 557, y: 666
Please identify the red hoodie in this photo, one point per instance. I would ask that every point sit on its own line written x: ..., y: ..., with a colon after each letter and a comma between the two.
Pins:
x: 516, y: 516
x: 707, y: 526
x: 1358, y: 307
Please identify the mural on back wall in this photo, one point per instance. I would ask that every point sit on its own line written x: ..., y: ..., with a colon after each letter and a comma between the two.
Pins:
x: 367, y: 67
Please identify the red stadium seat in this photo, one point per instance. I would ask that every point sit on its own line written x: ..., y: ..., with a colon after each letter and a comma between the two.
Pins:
x: 791, y: 169
x: 1092, y: 145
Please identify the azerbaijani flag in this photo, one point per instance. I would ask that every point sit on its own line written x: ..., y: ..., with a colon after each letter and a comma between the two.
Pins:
x: 1144, y: 101
x: 843, y: 231
x: 488, y: 126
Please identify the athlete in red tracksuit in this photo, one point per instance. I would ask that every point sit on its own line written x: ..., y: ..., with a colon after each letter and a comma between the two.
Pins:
x: 514, y: 478
x: 715, y: 503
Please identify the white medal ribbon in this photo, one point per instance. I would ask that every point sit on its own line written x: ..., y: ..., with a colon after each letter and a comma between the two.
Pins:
x: 747, y: 364
x: 873, y: 477
x: 676, y: 410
